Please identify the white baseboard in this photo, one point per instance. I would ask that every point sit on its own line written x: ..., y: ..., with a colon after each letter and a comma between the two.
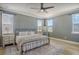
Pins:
x: 66, y: 41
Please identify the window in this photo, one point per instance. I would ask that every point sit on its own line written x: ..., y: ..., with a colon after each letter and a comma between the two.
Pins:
x: 50, y: 25
x: 7, y: 23
x: 75, y: 23
x: 39, y: 24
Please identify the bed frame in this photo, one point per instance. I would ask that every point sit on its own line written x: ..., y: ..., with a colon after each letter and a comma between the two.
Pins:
x: 22, y: 52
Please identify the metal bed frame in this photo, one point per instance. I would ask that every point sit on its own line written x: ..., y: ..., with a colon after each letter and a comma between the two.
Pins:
x: 22, y: 52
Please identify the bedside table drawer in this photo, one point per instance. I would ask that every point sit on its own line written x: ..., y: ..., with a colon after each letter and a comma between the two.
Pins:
x: 5, y: 42
x: 11, y: 41
x: 5, y: 39
x: 8, y: 39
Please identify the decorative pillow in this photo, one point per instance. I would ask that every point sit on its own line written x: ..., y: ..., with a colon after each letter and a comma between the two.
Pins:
x: 26, y: 33
x: 23, y: 33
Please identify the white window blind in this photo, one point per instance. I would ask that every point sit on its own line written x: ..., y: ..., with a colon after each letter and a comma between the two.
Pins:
x: 39, y: 24
x: 75, y: 23
x: 7, y: 23
x: 50, y: 25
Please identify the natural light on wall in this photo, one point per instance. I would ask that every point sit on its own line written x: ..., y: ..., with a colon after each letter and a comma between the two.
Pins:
x: 75, y: 23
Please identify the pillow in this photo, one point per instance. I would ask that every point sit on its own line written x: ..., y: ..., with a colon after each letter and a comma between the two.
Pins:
x: 23, y: 33
x: 32, y: 32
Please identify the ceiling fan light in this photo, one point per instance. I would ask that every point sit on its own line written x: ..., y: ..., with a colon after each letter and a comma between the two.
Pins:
x: 42, y: 10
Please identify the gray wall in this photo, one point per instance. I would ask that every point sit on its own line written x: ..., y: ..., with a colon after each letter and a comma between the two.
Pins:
x: 23, y: 23
x: 63, y: 28
x: 0, y: 26
x: 0, y: 22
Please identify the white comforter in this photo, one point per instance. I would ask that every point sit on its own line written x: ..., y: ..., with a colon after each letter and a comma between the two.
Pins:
x: 28, y: 38
x: 20, y: 40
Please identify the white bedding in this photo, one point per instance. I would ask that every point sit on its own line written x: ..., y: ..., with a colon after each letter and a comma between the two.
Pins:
x: 37, y: 38
x: 28, y: 38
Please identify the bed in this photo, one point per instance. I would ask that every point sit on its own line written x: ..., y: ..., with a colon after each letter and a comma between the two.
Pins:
x: 28, y: 41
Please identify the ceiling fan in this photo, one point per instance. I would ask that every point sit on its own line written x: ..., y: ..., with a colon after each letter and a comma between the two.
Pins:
x: 42, y: 8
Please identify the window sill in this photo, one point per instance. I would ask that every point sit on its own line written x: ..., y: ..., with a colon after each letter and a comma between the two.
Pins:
x: 75, y: 32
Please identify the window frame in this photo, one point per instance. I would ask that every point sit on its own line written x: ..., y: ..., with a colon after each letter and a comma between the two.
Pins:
x: 42, y: 29
x: 51, y: 25
x: 8, y: 25
x: 39, y: 26
x: 73, y: 25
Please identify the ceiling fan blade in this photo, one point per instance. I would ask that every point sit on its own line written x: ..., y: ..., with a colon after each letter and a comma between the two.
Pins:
x: 49, y: 7
x: 35, y: 8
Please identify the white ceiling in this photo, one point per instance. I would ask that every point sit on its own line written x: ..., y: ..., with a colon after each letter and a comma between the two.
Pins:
x: 25, y: 8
